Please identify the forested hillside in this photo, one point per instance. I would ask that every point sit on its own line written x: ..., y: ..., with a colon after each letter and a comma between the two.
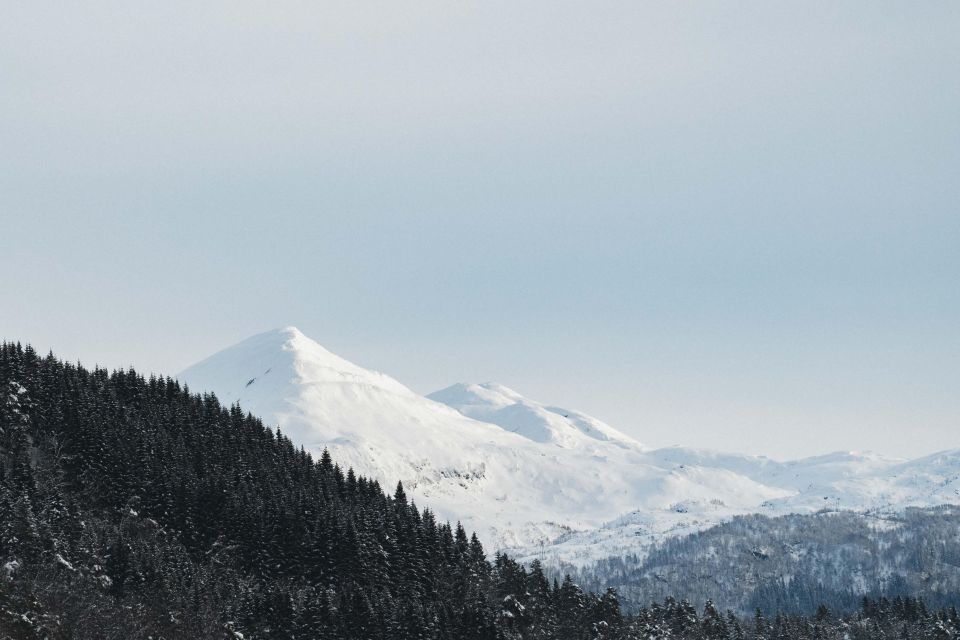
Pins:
x: 132, y: 509
x: 796, y: 563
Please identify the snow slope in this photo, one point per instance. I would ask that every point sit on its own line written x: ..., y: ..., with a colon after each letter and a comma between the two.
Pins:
x: 514, y: 490
x: 532, y: 478
x: 859, y: 482
x: 497, y: 404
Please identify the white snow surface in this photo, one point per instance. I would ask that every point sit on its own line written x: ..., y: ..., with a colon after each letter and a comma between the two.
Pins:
x: 497, y: 404
x: 538, y: 480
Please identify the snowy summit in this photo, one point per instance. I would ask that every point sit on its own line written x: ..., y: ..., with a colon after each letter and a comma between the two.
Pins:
x: 527, y: 475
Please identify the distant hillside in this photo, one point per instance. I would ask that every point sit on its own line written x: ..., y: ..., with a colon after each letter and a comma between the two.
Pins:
x: 796, y: 563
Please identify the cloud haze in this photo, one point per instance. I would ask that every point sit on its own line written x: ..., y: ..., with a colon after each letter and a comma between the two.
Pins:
x: 733, y: 226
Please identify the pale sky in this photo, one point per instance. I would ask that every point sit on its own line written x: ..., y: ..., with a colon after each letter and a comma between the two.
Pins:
x: 728, y: 225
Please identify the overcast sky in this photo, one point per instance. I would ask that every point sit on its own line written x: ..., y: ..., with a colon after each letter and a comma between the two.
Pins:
x: 729, y: 225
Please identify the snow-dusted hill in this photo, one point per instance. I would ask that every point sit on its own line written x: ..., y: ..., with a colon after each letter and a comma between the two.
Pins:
x: 533, y: 478
x: 497, y: 404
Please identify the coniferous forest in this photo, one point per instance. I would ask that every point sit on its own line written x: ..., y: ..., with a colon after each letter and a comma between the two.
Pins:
x: 131, y: 508
x: 795, y: 563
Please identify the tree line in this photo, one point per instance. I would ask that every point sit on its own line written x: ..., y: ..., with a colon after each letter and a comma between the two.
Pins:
x: 133, y: 508
x: 795, y: 563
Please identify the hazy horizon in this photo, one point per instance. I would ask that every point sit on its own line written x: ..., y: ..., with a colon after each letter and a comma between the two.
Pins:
x: 424, y: 392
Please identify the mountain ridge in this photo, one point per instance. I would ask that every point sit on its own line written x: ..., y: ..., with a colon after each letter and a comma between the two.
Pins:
x: 498, y: 404
x: 528, y: 475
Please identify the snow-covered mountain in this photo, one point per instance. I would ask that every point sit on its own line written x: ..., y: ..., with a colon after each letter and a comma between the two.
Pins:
x: 497, y: 404
x: 531, y: 477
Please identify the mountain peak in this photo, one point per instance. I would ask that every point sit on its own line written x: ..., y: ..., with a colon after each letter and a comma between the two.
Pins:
x: 501, y: 405
x: 288, y: 330
x: 477, y: 393
x: 291, y: 333
x: 514, y: 468
x: 280, y: 334
x: 291, y: 339
x: 268, y: 362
